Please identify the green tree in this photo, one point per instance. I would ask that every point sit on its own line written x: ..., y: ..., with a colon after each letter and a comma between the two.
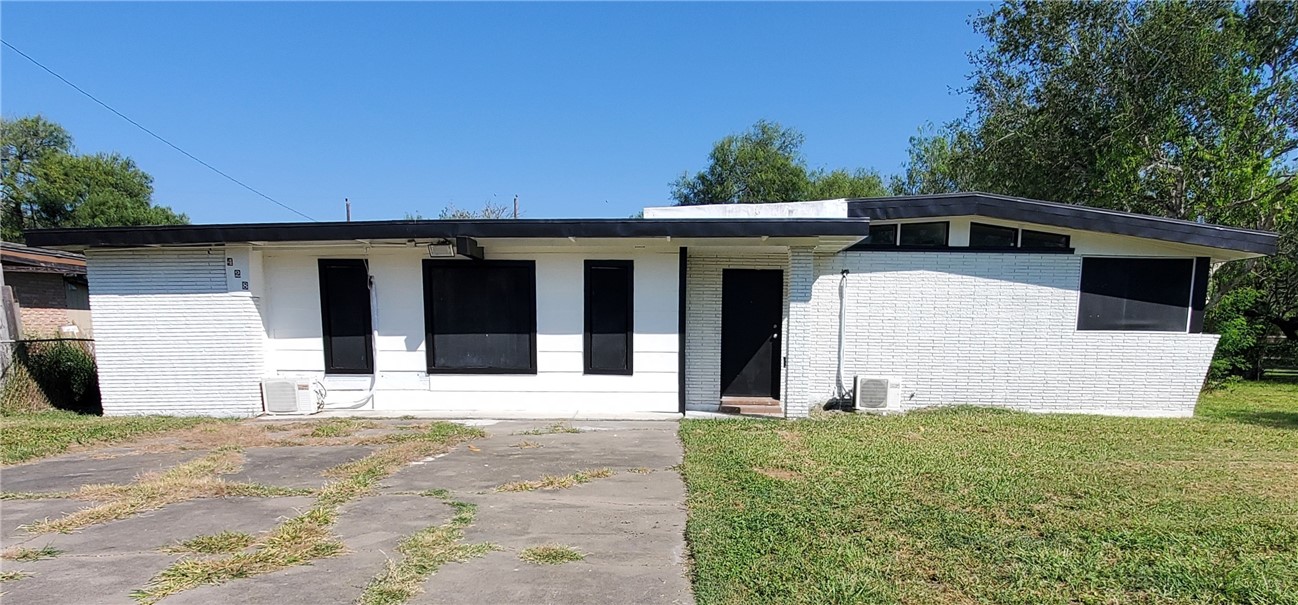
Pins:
x: 1187, y: 110
x: 938, y: 161
x: 46, y: 185
x: 1183, y: 110
x: 835, y: 184
x: 23, y: 144
x: 765, y: 164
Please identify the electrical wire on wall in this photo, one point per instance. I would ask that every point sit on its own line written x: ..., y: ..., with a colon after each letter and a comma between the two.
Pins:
x: 841, y: 391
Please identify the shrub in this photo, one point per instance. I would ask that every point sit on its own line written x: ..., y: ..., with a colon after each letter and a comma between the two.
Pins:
x: 61, y: 372
x: 1243, y: 335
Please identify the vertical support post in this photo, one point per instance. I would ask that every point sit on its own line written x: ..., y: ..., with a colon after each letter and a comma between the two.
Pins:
x: 800, y: 351
x: 682, y: 266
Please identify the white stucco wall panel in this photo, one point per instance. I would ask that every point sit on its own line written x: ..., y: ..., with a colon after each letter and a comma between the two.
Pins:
x: 170, y: 337
x: 994, y: 329
x: 558, y: 387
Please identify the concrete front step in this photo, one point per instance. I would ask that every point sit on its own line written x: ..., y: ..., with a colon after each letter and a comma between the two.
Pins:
x: 751, y: 406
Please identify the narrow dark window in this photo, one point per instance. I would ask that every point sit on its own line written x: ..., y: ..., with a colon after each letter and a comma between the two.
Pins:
x: 1141, y: 294
x: 609, y: 324
x: 924, y: 235
x: 480, y: 316
x: 992, y: 236
x: 1041, y: 240
x: 882, y: 235
x: 345, y: 314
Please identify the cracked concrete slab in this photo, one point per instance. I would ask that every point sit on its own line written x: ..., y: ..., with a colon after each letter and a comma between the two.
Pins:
x: 90, y: 580
x: 152, y: 530
x: 629, y: 525
x: 370, y: 528
x: 67, y: 473
x: 296, y: 466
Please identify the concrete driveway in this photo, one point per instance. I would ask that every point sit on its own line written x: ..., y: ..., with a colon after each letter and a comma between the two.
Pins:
x: 629, y: 526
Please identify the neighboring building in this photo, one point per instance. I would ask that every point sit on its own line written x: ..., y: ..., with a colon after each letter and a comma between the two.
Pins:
x: 50, y: 289
x: 953, y: 299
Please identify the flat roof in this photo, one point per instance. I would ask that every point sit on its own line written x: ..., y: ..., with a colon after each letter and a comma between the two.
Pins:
x: 119, y: 237
x: 1069, y: 216
x: 17, y: 257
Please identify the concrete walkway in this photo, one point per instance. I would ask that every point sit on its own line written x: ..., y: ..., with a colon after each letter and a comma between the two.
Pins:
x: 629, y: 525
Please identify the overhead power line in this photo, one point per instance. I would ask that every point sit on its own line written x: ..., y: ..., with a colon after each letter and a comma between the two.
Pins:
x: 154, y: 134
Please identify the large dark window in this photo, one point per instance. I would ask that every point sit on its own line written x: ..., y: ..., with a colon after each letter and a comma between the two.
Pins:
x: 924, y: 235
x: 882, y: 235
x: 992, y: 236
x: 609, y: 324
x: 1145, y: 294
x: 480, y: 316
x: 1041, y: 240
x: 345, y: 314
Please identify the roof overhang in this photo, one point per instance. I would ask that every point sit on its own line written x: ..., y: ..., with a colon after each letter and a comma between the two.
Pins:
x: 840, y: 232
x: 19, y: 259
x: 1066, y: 216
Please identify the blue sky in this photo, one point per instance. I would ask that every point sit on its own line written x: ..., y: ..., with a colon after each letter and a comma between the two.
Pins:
x: 580, y: 109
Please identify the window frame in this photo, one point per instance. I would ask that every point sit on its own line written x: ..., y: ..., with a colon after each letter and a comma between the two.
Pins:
x: 587, y: 350
x: 896, y: 231
x: 1068, y: 241
x: 946, y: 240
x: 323, y: 264
x: 1014, y: 230
x: 1190, y: 294
x: 430, y: 311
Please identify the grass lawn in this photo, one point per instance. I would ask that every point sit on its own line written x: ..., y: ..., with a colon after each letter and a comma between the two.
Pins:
x: 970, y: 505
x: 33, y: 435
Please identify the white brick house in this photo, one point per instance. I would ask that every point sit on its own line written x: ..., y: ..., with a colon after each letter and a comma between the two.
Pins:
x: 950, y: 299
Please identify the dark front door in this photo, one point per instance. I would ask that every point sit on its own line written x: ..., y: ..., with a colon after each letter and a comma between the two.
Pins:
x: 751, y: 306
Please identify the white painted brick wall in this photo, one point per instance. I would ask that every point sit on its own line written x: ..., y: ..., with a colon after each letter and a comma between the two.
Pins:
x: 802, y: 334
x: 992, y: 329
x: 703, y: 320
x: 169, y: 337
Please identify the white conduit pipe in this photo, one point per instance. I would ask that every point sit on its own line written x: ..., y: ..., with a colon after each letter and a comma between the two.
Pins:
x: 842, y: 329
x: 368, y: 397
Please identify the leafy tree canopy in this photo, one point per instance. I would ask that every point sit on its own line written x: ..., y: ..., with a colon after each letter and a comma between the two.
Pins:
x: 1186, y: 110
x: 45, y: 184
x: 765, y: 164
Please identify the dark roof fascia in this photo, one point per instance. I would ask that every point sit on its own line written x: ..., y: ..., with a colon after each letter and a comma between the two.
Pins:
x: 400, y: 230
x: 1067, y: 216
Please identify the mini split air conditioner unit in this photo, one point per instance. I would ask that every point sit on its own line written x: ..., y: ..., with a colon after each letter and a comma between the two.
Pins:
x: 289, y: 396
x: 874, y: 393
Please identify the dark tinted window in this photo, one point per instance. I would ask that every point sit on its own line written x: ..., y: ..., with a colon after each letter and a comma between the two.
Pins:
x: 609, y: 324
x: 924, y: 234
x: 1145, y: 294
x: 992, y: 236
x: 345, y: 313
x: 882, y: 235
x: 481, y: 316
x: 1041, y: 239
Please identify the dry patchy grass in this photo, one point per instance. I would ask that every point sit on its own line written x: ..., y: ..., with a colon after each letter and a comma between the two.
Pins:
x: 551, y: 554
x: 557, y: 481
x: 20, y: 553
x: 224, y: 542
x: 423, y: 553
x: 10, y: 576
x: 558, y: 427
x: 25, y: 437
